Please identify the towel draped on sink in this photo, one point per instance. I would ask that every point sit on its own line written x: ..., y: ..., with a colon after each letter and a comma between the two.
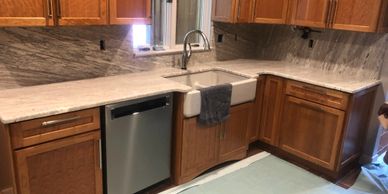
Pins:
x: 215, y: 104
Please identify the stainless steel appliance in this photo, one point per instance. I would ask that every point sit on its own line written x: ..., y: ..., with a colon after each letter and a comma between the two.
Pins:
x: 137, y: 144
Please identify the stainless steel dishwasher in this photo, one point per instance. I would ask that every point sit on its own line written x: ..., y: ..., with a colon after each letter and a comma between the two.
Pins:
x: 137, y: 144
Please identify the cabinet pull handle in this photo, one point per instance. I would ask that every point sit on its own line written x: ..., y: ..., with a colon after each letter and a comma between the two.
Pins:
x: 315, y: 90
x: 315, y: 107
x: 59, y: 11
x: 60, y: 121
x: 335, y: 3
x: 100, y: 152
x: 328, y: 17
x: 50, y: 9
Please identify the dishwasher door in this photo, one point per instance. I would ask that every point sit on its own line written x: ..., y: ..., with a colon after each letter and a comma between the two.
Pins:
x: 137, y: 144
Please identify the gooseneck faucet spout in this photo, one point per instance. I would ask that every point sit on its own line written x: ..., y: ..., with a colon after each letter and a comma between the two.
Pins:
x: 187, y: 47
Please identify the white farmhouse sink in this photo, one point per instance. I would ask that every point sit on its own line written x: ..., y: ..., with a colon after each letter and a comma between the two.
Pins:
x: 243, y: 88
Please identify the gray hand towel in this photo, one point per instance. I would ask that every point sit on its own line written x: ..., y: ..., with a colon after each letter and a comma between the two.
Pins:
x: 215, y: 104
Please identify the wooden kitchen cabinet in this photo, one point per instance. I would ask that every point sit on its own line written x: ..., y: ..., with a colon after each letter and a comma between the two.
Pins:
x: 26, y: 13
x: 70, y: 165
x: 130, y: 11
x: 256, y: 112
x: 55, y: 154
x: 311, y: 131
x: 81, y: 12
x: 233, y: 134
x: 198, y: 148
x: 311, y: 13
x: 270, y: 11
x: 360, y: 15
x: 232, y: 11
x: 272, y: 107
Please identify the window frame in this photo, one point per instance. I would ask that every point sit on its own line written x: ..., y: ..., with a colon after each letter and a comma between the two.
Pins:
x: 169, y: 15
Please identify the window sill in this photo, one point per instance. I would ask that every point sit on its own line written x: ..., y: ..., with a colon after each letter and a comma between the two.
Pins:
x: 175, y: 51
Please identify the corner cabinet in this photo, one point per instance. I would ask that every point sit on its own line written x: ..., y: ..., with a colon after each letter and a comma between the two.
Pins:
x: 232, y: 11
x: 198, y: 148
x: 319, y: 128
x: 130, y: 11
x: 58, y: 154
x: 363, y: 15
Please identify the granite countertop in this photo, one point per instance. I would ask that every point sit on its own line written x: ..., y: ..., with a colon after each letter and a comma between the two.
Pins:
x: 39, y: 101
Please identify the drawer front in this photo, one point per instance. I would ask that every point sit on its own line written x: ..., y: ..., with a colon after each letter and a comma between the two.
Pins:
x: 318, y: 94
x: 46, y: 129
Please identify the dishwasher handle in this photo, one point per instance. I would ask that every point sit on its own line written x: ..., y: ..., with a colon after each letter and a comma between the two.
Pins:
x: 140, y: 107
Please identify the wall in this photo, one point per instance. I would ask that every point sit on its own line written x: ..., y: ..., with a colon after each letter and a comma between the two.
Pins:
x: 33, y: 56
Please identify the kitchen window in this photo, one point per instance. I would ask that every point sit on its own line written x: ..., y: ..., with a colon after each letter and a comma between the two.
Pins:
x: 172, y: 19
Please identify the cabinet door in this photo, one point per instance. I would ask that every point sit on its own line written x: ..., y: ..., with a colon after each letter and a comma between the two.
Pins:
x: 199, y: 148
x: 26, y: 13
x: 311, y: 131
x: 312, y: 13
x: 244, y: 11
x: 67, y: 166
x: 130, y: 11
x: 255, y: 116
x: 271, y: 11
x: 233, y: 134
x: 82, y: 12
x: 223, y: 10
x: 357, y: 15
x: 272, y: 106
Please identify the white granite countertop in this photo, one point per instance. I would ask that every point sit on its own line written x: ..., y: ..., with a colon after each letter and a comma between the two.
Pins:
x: 39, y: 101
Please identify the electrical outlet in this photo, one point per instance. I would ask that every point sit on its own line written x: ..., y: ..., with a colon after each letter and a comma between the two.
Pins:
x: 102, y: 45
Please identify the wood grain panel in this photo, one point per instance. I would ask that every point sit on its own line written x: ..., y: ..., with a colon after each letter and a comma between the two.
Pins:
x: 233, y: 143
x: 256, y: 112
x: 7, y: 175
x: 357, y: 15
x: 67, y: 166
x: 311, y: 131
x: 33, y: 132
x: 270, y: 11
x: 24, y: 13
x: 311, y: 13
x: 272, y: 106
x: 82, y: 12
x: 199, y: 148
x: 224, y: 10
x: 130, y: 11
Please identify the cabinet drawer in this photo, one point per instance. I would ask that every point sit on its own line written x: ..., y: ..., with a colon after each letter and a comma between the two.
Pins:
x: 41, y: 130
x: 318, y: 94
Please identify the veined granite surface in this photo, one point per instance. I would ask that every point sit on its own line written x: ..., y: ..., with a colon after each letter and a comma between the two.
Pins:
x: 45, y: 100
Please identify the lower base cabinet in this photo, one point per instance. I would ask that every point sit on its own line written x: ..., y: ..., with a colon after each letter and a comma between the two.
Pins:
x: 67, y: 166
x: 198, y: 148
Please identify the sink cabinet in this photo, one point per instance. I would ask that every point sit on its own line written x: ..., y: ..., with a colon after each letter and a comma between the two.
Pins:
x: 319, y: 128
x: 57, y: 154
x: 198, y: 148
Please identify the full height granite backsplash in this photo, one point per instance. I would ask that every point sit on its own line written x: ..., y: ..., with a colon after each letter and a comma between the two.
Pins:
x: 39, y: 55
x: 355, y: 53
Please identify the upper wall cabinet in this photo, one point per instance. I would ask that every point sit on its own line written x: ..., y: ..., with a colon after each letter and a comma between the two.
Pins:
x: 232, y: 11
x: 82, y: 12
x: 360, y: 15
x: 270, y: 11
x: 355, y: 15
x: 312, y: 13
x: 130, y: 11
x: 26, y: 13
